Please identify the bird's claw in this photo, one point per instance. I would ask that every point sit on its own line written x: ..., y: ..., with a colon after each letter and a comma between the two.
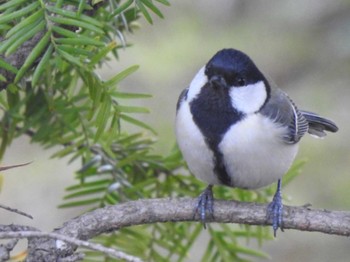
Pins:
x: 275, y: 211
x: 204, y: 205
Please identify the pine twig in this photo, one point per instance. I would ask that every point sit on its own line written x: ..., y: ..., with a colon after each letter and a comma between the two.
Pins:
x: 16, y: 211
x: 2, y: 168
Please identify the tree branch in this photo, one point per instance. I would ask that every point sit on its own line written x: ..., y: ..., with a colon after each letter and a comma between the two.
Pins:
x: 61, y: 239
x: 150, y: 211
x: 5, y: 249
x: 174, y: 210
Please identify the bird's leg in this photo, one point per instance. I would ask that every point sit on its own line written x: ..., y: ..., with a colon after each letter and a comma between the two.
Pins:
x: 275, y: 210
x: 205, y: 204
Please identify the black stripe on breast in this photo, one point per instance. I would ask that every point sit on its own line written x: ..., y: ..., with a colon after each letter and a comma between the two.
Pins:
x: 213, y: 113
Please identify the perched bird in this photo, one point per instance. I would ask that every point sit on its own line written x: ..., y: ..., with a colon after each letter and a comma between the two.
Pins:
x: 234, y: 128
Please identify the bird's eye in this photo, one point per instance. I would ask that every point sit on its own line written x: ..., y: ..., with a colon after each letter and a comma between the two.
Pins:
x: 240, y: 81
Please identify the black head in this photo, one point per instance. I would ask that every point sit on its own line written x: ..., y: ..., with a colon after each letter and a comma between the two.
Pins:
x: 230, y: 67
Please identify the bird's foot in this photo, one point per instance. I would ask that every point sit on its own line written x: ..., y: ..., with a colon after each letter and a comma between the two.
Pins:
x: 204, y: 205
x: 275, y: 210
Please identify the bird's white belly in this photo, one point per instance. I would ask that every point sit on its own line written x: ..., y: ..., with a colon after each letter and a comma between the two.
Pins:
x: 199, y: 158
x: 254, y: 152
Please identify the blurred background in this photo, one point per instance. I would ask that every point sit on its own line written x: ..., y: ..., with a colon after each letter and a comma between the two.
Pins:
x: 304, y: 46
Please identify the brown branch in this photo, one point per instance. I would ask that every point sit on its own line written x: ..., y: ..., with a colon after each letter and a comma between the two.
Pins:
x: 150, y: 211
x: 174, y: 210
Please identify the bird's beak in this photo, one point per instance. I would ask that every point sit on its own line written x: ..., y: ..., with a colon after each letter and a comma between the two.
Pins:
x: 218, y: 81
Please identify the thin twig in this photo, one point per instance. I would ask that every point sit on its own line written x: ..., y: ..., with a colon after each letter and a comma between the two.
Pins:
x: 16, y: 211
x: 60, y: 245
x: 2, y: 168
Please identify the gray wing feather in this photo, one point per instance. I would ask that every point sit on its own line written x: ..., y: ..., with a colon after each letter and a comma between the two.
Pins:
x: 318, y: 125
x: 281, y: 109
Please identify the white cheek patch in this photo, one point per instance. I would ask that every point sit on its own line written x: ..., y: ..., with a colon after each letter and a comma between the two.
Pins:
x: 196, y: 85
x: 248, y: 99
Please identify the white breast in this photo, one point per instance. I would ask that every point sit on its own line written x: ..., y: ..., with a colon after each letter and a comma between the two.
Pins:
x: 254, y: 153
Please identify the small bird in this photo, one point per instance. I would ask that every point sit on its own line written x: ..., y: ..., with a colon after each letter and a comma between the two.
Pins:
x: 234, y: 128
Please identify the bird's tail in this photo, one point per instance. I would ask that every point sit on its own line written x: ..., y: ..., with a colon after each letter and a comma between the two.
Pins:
x: 318, y: 125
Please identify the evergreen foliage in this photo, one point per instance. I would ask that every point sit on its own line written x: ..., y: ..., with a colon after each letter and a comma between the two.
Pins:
x: 57, y: 98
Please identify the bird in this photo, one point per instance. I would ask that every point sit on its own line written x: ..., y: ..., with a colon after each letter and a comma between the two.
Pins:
x: 235, y: 128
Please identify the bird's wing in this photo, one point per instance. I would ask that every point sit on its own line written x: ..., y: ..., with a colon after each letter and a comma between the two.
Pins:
x: 318, y: 125
x: 281, y: 109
